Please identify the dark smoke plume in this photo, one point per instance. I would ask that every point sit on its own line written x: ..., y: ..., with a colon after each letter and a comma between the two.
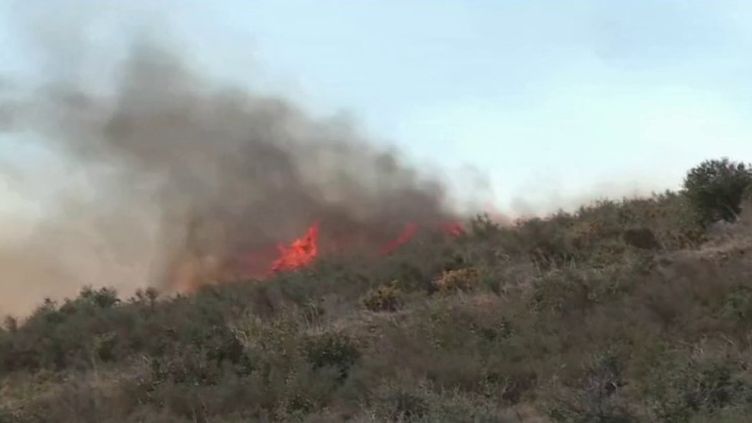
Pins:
x: 181, y: 183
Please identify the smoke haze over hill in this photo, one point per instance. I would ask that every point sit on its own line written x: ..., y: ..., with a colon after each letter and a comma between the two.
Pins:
x: 174, y: 181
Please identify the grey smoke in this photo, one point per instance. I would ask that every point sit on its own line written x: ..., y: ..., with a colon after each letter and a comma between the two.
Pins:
x: 171, y: 180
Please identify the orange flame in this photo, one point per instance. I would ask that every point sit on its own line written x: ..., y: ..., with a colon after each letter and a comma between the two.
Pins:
x: 190, y: 272
x: 301, y: 253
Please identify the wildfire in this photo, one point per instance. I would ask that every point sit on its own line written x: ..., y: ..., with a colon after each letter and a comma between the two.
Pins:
x: 454, y: 229
x: 407, y: 234
x: 304, y: 250
x: 301, y: 253
x: 190, y: 271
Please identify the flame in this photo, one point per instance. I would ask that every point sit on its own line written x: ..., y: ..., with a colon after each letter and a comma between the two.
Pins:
x: 407, y: 234
x: 301, y: 253
x: 304, y: 250
x: 454, y: 229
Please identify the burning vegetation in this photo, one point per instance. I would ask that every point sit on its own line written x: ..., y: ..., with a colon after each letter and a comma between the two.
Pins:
x: 303, y: 251
x: 631, y: 311
x: 183, y: 183
x: 627, y: 311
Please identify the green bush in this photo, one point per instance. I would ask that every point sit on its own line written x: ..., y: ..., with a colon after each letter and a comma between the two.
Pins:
x: 715, y: 189
x: 686, y: 387
x: 607, y: 314
x: 335, y: 350
x: 596, y: 397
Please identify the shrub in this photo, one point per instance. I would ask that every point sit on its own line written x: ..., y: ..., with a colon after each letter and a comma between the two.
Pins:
x: 642, y: 238
x: 406, y: 406
x: 684, y: 387
x: 607, y: 283
x: 384, y: 298
x: 738, y: 305
x: 458, y: 280
x: 715, y: 189
x: 596, y: 397
x: 333, y: 349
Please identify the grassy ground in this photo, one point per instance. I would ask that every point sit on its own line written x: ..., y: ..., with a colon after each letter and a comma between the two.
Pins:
x: 621, y: 312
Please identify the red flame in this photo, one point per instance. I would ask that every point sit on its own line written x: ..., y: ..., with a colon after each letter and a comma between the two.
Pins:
x: 191, y: 272
x: 301, y: 253
x: 407, y: 234
x: 454, y: 229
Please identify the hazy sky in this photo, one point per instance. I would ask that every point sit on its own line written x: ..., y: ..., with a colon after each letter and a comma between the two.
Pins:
x: 551, y: 99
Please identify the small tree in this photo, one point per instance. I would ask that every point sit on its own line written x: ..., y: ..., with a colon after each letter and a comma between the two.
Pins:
x: 715, y: 189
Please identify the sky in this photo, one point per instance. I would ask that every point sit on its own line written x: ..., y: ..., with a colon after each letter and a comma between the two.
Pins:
x: 552, y: 102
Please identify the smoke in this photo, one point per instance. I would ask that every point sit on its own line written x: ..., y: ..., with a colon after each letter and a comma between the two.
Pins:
x: 173, y: 181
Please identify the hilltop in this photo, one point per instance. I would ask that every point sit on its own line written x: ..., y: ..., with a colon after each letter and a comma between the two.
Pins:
x: 637, y: 310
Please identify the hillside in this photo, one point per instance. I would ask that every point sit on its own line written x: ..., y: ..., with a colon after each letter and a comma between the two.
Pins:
x: 625, y: 311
